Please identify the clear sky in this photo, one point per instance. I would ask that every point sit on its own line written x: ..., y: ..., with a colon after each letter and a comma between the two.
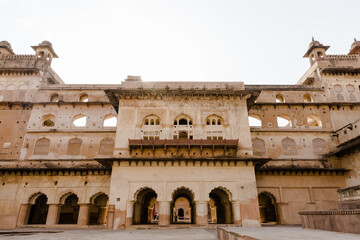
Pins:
x: 257, y: 42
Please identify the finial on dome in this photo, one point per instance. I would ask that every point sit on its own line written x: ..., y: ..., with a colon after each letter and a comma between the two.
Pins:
x: 355, y: 40
x: 312, y: 38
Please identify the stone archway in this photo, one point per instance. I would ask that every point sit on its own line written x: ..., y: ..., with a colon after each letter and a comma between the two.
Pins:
x: 267, y: 208
x: 39, y: 210
x: 98, y: 209
x: 182, y: 206
x: 221, y: 210
x: 69, y: 211
x: 145, y: 207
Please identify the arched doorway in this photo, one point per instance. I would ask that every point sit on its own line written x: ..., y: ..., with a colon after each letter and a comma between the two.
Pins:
x: 220, y: 205
x: 267, y: 207
x: 98, y: 209
x: 69, y: 210
x: 183, y: 206
x: 39, y: 211
x: 146, y: 207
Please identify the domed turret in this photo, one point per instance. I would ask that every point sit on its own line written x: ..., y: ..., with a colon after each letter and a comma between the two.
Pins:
x: 45, y: 51
x: 316, y: 51
x: 5, y: 49
x: 355, y: 47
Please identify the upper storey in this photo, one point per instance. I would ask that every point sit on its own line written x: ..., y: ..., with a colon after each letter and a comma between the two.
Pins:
x: 39, y: 64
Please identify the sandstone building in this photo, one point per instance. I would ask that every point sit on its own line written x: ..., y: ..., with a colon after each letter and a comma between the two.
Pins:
x: 174, y: 152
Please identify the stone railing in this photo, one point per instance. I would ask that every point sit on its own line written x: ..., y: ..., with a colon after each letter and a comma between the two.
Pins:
x: 348, y: 132
x: 333, y: 220
x: 341, y: 57
x: 224, y: 234
x: 20, y: 57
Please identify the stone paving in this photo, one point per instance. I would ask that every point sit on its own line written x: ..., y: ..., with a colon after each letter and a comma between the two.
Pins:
x: 291, y: 232
x: 264, y: 233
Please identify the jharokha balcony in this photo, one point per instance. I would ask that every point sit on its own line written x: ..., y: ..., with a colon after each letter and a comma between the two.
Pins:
x: 185, y: 148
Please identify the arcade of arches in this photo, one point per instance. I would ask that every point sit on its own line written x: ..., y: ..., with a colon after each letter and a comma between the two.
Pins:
x: 69, y: 211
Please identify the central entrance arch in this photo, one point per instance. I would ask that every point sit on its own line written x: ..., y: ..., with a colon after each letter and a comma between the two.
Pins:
x: 182, y: 206
x: 146, y: 207
x: 39, y: 211
x: 69, y: 211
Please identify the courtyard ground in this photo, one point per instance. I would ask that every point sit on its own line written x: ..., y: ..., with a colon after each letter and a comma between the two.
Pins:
x: 265, y: 233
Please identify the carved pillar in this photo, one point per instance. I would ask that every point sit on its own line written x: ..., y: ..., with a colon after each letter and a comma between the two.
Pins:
x: 201, y: 212
x: 164, y: 213
x: 53, y: 214
x: 236, y: 212
x: 110, y: 217
x: 24, y: 213
x: 129, y: 213
x: 83, y: 218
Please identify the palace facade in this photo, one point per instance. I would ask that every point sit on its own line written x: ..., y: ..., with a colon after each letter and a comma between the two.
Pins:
x: 166, y: 153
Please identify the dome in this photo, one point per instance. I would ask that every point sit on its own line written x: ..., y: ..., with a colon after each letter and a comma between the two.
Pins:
x: 5, y: 44
x: 46, y: 43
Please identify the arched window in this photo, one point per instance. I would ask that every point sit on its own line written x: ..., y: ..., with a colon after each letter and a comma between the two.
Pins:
x: 214, y: 127
x: 183, y: 127
x: 79, y: 121
x: 48, y: 120
x: 84, y: 97
x: 74, y: 146
x: 289, y: 146
x: 258, y: 146
x: 42, y: 146
x: 350, y: 88
x: 313, y: 121
x: 284, y: 121
x: 106, y: 146
x: 337, y: 88
x: 110, y: 121
x: 151, y: 128
x: 54, y: 97
x: 308, y: 98
x: 319, y: 146
x: 280, y: 98
x: 254, y: 121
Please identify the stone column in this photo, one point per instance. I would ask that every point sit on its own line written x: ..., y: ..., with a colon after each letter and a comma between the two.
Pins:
x: 53, y: 214
x: 164, y: 213
x: 83, y: 218
x: 110, y: 217
x: 24, y: 213
x: 236, y: 212
x: 227, y: 207
x: 201, y: 213
x: 129, y: 213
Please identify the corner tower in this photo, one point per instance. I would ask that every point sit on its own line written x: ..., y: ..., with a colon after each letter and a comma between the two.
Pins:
x: 45, y: 51
x: 316, y: 51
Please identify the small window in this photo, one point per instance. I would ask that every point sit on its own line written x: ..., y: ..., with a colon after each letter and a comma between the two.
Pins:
x: 183, y: 121
x: 79, y: 121
x: 54, y: 98
x: 157, y: 122
x: 213, y: 122
x: 280, y: 98
x: 314, y: 121
x: 84, y: 98
x: 152, y: 122
x: 48, y: 120
x: 308, y: 98
x: 219, y: 122
x: 110, y: 121
x: 175, y: 122
x: 284, y: 121
x: 208, y: 122
x: 254, y: 121
x: 146, y: 121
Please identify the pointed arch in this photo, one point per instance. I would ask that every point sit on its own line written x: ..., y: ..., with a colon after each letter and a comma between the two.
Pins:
x: 258, y: 145
x: 289, y: 146
x: 227, y: 191
x: 34, y: 196
x: 110, y: 120
x: 42, y: 146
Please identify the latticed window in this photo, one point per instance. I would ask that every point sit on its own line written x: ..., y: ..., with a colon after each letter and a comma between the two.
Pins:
x: 42, y: 146
x: 106, y: 146
x: 319, y: 146
x: 258, y: 146
x: 74, y: 146
x: 289, y: 146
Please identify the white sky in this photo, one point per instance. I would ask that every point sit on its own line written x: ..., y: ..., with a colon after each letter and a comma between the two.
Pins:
x: 258, y: 42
